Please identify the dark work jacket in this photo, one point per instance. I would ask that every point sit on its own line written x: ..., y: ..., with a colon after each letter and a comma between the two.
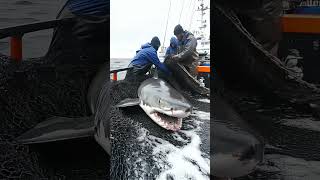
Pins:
x: 187, y: 53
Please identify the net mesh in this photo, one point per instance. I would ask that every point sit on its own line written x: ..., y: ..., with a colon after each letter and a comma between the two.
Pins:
x: 30, y: 92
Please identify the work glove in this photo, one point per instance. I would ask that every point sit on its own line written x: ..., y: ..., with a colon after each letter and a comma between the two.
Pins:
x: 167, y: 58
x: 171, y: 59
x: 175, y: 58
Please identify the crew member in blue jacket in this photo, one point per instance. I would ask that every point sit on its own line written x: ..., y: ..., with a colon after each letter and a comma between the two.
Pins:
x: 173, y: 48
x: 144, y: 59
x: 86, y: 36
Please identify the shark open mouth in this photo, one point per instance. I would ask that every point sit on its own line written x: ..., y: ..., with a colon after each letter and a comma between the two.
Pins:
x: 167, y: 122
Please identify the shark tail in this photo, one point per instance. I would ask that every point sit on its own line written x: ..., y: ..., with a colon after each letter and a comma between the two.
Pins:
x: 57, y: 129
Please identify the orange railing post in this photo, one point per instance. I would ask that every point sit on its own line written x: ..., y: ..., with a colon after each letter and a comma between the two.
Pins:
x: 16, y: 48
x: 203, y: 69
x: 115, y: 76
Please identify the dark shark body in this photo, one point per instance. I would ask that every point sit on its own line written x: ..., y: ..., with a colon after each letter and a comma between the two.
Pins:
x: 63, y: 128
x: 161, y: 102
x: 236, y: 151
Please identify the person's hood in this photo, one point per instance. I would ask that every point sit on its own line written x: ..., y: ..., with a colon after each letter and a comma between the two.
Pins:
x: 147, y: 45
x: 99, y: 8
x: 174, y: 41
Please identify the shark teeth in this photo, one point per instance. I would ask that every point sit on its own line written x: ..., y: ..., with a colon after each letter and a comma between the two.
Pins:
x: 167, y: 122
x: 163, y: 120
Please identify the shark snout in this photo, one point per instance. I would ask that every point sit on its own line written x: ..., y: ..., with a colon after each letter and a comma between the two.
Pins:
x: 175, y: 108
x: 235, y: 153
x: 237, y: 163
x: 179, y: 113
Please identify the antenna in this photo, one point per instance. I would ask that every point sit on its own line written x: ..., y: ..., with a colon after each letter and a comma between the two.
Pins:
x: 202, y: 9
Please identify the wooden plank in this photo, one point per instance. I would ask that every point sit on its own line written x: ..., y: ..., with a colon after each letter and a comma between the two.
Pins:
x: 26, y: 28
x: 294, y: 23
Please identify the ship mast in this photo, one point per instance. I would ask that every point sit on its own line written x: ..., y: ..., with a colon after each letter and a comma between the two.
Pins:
x: 203, y: 22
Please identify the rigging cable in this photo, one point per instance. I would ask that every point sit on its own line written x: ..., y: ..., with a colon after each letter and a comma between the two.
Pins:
x: 165, y: 33
x: 186, y: 18
x: 181, y: 10
x: 193, y: 11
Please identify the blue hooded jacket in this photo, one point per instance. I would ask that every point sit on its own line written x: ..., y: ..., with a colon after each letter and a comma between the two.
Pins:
x: 144, y: 59
x: 173, y: 48
x: 89, y: 7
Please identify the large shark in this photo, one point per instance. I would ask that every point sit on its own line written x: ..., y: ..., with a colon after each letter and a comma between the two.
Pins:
x: 161, y: 102
x: 96, y: 125
x: 236, y: 150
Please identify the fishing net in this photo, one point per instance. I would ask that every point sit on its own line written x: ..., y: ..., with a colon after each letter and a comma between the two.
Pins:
x: 30, y: 92
x: 251, y: 65
x: 34, y: 90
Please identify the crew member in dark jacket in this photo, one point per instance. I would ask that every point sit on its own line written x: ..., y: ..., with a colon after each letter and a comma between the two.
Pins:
x: 85, y: 37
x: 187, y: 54
x: 144, y: 59
x: 184, y: 64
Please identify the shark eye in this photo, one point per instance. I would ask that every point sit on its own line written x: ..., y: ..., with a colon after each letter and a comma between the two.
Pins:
x: 164, y: 104
x: 160, y: 102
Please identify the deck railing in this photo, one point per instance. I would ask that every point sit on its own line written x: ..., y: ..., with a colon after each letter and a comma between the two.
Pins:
x: 16, y: 33
x: 115, y: 73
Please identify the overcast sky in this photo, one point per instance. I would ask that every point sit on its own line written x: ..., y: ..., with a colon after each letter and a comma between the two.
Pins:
x: 133, y: 23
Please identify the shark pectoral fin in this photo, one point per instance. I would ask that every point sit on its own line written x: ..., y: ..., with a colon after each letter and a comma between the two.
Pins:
x: 128, y: 102
x: 57, y: 129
